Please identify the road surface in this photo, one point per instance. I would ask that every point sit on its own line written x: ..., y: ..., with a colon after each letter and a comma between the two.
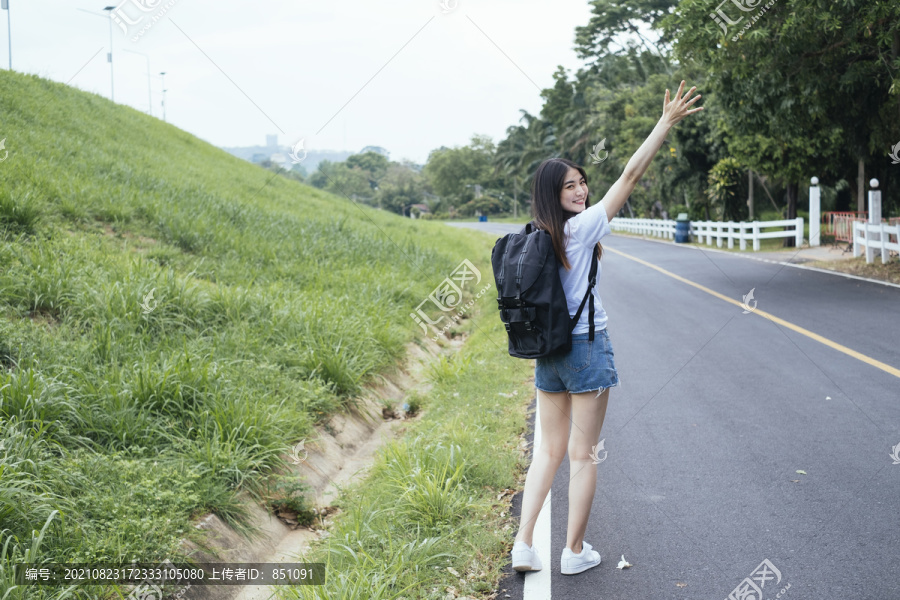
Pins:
x: 717, y: 411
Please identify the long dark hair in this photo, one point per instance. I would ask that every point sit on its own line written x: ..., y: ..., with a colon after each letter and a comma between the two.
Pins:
x: 546, y: 211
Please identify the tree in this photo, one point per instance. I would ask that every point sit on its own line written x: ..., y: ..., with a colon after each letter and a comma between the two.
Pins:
x: 372, y: 164
x: 400, y: 187
x: 338, y: 178
x: 810, y: 89
x: 453, y: 172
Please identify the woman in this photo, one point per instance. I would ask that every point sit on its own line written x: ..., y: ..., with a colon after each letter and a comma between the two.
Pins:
x: 575, y: 386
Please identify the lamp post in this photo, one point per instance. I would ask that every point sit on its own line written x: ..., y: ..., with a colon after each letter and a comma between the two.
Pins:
x: 149, y: 93
x: 112, y: 82
x: 4, y: 4
x: 109, y: 56
x: 163, y: 75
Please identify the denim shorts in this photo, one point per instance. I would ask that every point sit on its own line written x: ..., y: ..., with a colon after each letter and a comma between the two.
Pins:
x: 587, y: 367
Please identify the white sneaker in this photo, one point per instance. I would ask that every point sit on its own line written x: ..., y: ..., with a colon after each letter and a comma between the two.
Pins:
x: 571, y: 563
x: 525, y: 557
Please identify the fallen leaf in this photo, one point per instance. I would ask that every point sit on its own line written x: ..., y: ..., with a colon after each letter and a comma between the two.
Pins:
x: 801, y: 472
x: 453, y: 571
x: 623, y: 564
x: 795, y: 481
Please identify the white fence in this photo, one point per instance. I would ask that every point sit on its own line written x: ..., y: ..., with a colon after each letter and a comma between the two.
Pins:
x: 718, y: 230
x: 874, y: 237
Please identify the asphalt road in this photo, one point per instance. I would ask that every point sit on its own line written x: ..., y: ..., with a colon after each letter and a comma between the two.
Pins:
x: 716, y: 412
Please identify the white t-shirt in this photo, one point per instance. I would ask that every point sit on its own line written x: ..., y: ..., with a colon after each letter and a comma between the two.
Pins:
x: 583, y: 231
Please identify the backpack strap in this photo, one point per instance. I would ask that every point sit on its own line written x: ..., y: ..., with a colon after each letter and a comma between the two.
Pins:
x: 592, y: 280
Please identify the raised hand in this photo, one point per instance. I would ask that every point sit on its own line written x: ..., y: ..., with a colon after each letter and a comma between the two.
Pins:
x: 679, y: 108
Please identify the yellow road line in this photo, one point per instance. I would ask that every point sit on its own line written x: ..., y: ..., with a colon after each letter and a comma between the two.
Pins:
x: 815, y: 336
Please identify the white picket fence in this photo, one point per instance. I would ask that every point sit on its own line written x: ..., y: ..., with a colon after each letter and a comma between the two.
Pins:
x: 718, y: 230
x: 874, y: 237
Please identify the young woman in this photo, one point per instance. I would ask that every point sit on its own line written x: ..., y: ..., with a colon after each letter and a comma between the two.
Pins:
x: 574, y: 387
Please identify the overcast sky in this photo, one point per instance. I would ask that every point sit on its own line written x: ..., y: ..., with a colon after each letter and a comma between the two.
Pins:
x: 342, y: 75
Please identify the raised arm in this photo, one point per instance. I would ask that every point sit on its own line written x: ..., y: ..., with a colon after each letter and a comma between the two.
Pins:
x: 673, y: 112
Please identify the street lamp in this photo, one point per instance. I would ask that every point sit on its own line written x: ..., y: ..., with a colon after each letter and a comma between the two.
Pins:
x: 109, y: 59
x: 112, y: 83
x: 149, y: 94
x: 4, y: 4
x: 163, y: 75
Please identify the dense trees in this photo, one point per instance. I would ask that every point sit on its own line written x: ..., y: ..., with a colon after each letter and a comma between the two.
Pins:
x: 791, y: 89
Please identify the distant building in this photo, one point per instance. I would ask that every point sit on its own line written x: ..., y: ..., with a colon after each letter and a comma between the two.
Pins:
x: 419, y: 209
x: 259, y: 154
x: 281, y: 160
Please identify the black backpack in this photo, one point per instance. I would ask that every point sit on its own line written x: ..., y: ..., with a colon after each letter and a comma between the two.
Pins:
x: 530, y: 294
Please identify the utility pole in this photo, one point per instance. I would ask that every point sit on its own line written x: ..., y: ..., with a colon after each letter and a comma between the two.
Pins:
x: 109, y: 55
x: 750, y: 199
x: 4, y: 4
x: 163, y: 75
x: 112, y: 79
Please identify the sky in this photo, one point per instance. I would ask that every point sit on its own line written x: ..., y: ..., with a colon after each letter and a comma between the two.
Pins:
x: 408, y: 76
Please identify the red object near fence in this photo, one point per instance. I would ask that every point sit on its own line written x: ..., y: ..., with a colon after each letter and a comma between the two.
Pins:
x: 842, y: 226
x: 828, y: 218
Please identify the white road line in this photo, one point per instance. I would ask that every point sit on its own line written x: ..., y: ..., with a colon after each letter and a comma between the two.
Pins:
x: 537, y: 583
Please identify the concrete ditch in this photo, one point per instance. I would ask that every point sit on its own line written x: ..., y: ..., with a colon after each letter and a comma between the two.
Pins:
x: 340, y: 452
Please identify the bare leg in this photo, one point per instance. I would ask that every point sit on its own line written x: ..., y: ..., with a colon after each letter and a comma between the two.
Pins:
x: 554, y: 412
x: 588, y: 412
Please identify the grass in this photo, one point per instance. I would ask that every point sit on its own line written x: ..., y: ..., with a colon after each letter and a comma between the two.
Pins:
x: 431, y: 520
x: 889, y: 272
x: 173, y: 320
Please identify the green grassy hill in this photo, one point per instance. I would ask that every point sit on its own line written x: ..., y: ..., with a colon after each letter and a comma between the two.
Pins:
x: 272, y: 303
